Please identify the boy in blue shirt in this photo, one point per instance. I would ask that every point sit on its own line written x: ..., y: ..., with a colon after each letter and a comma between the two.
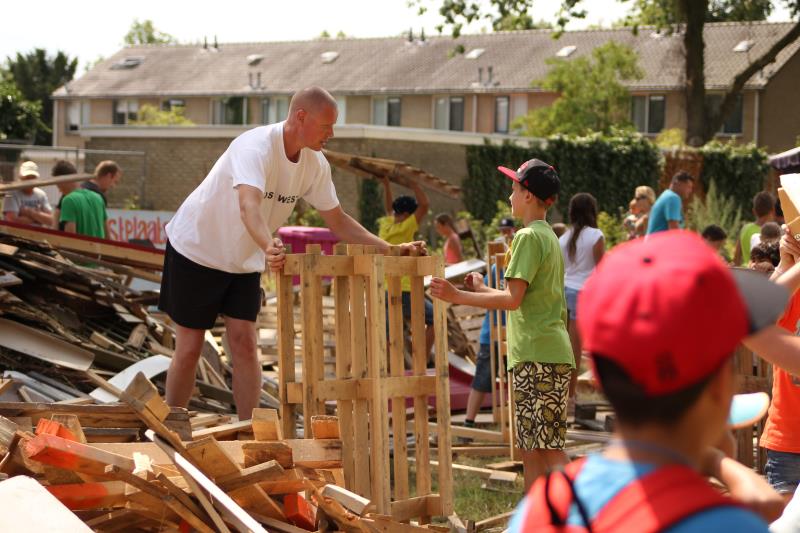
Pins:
x: 661, y: 318
x: 667, y: 212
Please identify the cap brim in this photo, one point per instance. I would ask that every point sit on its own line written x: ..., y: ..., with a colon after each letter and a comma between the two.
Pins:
x: 510, y: 173
x: 747, y: 409
x: 765, y: 300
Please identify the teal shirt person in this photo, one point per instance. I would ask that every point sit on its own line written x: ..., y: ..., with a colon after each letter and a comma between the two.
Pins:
x: 668, y: 208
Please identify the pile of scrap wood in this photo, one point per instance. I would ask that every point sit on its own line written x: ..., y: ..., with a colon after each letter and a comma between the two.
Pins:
x: 72, y: 329
x: 171, y: 482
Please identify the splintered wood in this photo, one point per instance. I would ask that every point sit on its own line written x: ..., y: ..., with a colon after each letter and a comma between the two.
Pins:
x: 371, y: 381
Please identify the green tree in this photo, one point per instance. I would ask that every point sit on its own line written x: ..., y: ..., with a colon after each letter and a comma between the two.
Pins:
x: 145, y: 33
x: 591, y: 94
x: 20, y: 119
x: 37, y: 75
x: 150, y: 115
x: 688, y: 15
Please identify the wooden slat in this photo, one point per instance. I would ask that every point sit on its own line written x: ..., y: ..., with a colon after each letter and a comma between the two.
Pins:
x: 397, y: 370
x: 362, y: 483
x: 443, y: 399
x: 420, y: 365
x: 311, y: 306
x: 344, y: 365
x: 379, y: 450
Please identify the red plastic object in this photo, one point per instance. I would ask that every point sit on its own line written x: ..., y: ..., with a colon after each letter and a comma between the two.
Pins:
x: 300, y: 236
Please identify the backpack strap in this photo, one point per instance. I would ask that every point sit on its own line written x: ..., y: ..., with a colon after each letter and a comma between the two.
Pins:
x: 658, y: 501
x: 649, y: 504
x: 550, y: 497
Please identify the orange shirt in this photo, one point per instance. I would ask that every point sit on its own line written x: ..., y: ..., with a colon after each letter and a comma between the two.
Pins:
x: 782, y: 430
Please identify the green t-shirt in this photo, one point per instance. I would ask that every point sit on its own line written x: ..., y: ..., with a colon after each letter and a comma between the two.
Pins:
x: 749, y: 229
x: 86, y: 209
x: 537, y: 331
x: 399, y: 233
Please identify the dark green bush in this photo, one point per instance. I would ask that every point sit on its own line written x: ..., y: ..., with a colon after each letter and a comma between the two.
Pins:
x: 739, y: 171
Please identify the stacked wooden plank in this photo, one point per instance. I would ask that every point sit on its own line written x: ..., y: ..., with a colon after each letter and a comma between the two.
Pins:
x: 263, y: 483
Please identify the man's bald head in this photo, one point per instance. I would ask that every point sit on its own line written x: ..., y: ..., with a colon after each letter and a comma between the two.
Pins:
x: 312, y: 100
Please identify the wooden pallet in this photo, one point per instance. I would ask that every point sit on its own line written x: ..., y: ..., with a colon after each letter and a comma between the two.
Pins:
x: 370, y: 373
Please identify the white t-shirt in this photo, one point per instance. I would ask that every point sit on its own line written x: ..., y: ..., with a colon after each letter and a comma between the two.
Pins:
x: 207, y: 227
x: 576, y: 272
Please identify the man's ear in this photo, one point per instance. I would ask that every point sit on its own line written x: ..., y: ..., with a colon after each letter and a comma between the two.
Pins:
x: 300, y: 114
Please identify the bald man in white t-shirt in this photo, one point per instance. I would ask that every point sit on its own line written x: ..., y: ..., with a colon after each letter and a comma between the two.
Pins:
x: 220, y: 239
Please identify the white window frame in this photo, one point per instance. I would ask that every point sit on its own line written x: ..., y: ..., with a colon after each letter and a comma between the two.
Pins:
x: 277, y: 109
x: 218, y: 111
x: 341, y: 107
x: 379, y: 110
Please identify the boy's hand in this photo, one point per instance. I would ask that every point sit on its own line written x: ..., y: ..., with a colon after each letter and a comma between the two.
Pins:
x: 276, y: 255
x: 474, y: 282
x: 444, y: 290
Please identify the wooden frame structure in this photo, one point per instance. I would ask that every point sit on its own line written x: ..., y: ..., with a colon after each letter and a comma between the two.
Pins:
x: 370, y: 373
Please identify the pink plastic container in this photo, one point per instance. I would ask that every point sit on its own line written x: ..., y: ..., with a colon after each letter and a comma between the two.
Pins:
x: 299, y: 236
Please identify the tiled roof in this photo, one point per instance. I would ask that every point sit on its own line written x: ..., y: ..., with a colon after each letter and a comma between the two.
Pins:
x: 395, y: 65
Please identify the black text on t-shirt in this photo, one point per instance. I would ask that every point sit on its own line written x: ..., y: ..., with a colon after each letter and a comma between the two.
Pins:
x: 269, y: 195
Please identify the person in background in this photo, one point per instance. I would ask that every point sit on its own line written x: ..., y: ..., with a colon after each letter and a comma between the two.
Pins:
x: 770, y: 232
x: 507, y: 228
x: 62, y: 167
x: 764, y: 211
x: 582, y: 246
x: 667, y: 212
x: 765, y: 257
x: 714, y: 236
x: 29, y: 205
x: 404, y: 214
x: 629, y: 222
x: 482, y: 382
x: 83, y: 212
x: 559, y: 228
x: 106, y: 176
x: 644, y: 198
x: 443, y: 223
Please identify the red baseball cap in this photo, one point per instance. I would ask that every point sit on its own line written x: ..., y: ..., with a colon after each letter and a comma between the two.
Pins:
x: 669, y: 312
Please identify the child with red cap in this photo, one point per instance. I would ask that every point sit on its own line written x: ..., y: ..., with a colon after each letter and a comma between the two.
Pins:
x: 539, y: 352
x: 661, y: 320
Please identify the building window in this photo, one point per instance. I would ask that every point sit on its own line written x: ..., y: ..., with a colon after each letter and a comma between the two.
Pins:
x: 229, y: 110
x: 173, y: 104
x: 456, y: 113
x: 125, y: 111
x: 386, y: 111
x: 77, y: 115
x: 733, y: 123
x: 274, y: 109
x: 448, y: 113
x: 501, y: 114
x: 341, y: 108
x: 648, y: 112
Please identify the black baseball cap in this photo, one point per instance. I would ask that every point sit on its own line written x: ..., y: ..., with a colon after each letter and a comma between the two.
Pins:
x: 506, y: 223
x: 536, y: 176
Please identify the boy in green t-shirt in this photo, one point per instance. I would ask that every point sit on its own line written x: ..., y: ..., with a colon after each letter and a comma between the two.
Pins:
x: 540, y: 354
x: 764, y: 211
x: 84, y: 212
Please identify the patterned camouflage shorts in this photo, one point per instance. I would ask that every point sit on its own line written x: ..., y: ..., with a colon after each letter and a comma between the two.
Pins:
x: 540, y: 405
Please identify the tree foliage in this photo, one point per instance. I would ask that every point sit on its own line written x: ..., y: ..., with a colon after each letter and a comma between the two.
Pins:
x: 667, y: 13
x: 150, y: 115
x: 144, y: 32
x: 591, y: 95
x: 20, y: 119
x: 37, y: 75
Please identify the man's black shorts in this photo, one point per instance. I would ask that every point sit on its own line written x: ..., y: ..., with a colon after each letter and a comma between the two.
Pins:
x: 193, y: 295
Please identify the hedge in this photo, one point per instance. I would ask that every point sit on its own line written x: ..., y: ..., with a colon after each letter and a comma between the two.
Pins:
x: 609, y: 167
x: 739, y: 171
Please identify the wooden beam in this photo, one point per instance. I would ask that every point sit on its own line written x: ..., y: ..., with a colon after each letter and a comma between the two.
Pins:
x: 82, y: 496
x: 62, y: 453
x: 18, y: 185
x: 266, y: 424
x: 250, y: 476
x: 225, y: 430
